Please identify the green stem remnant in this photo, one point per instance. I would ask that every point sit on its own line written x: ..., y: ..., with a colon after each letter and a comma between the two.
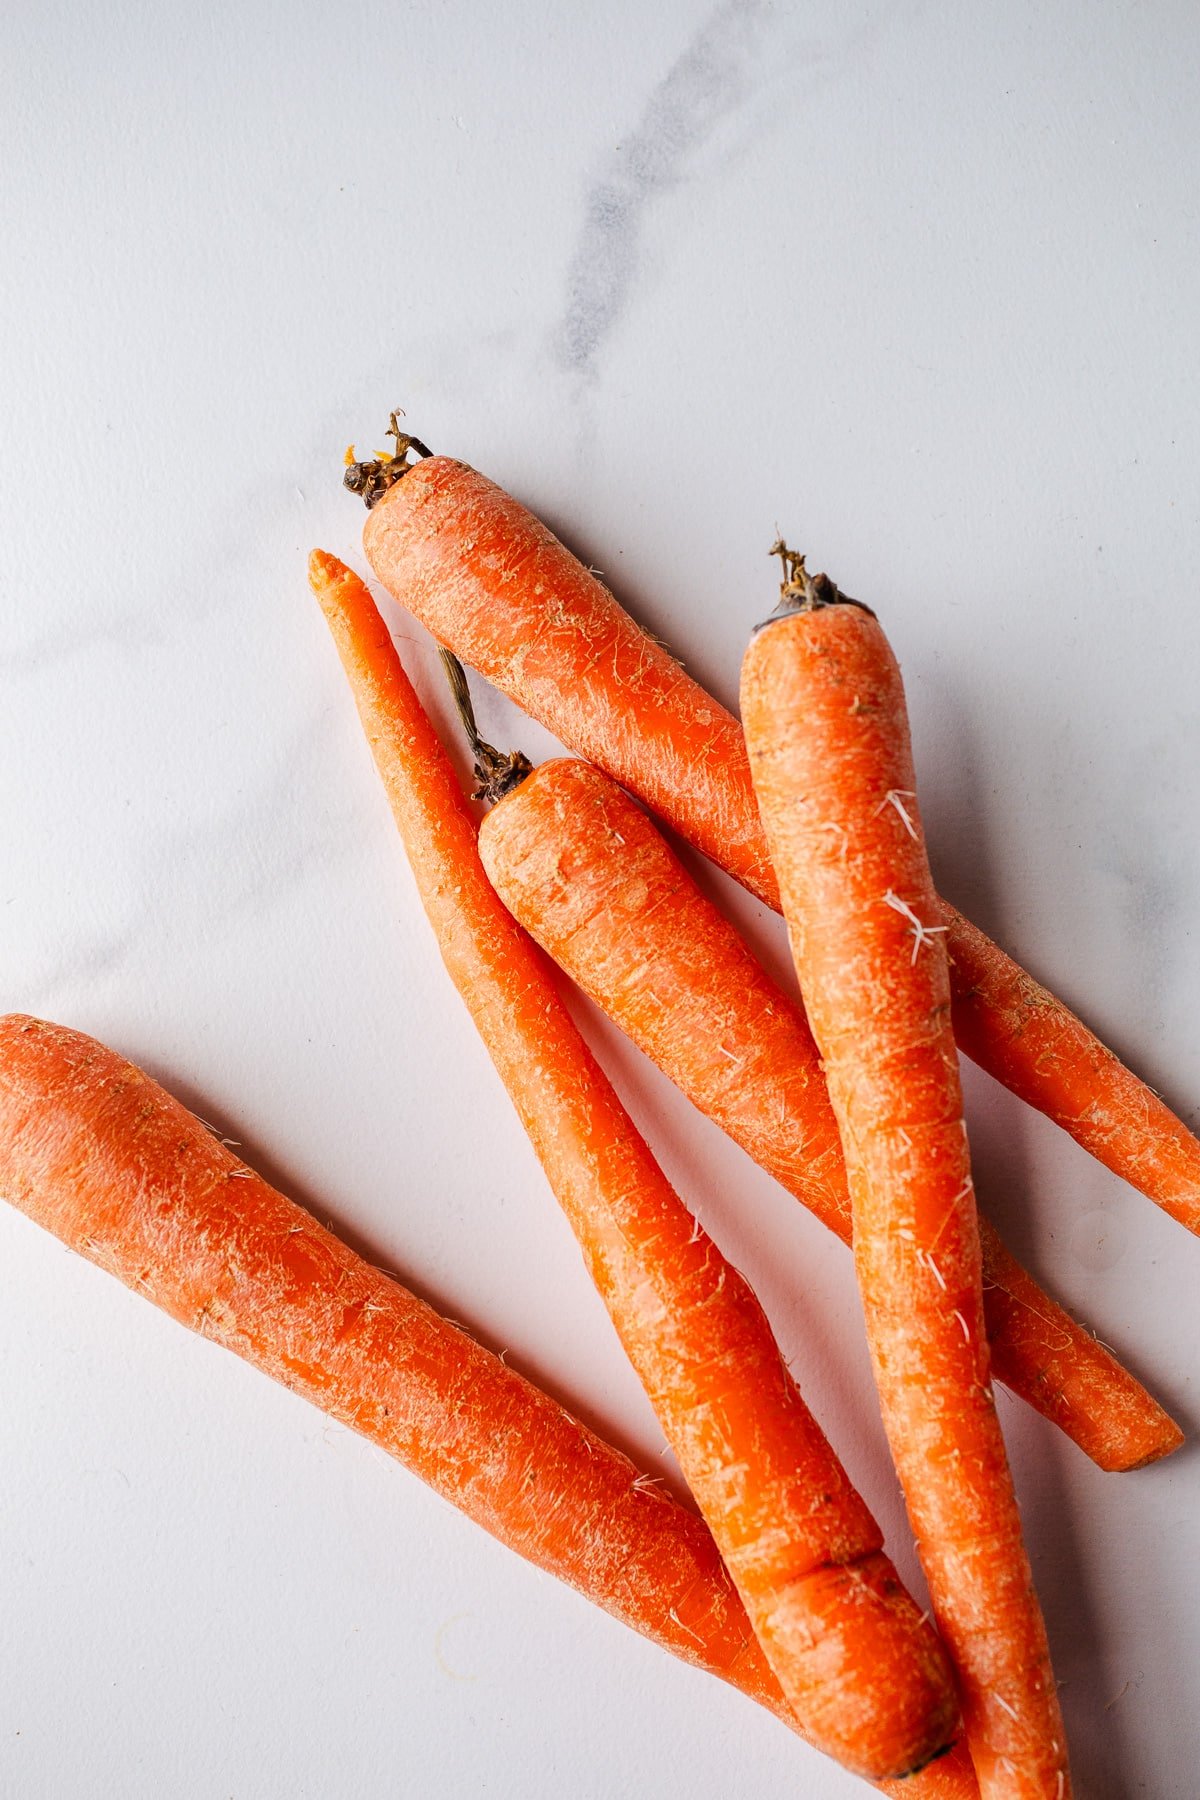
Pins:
x: 373, y: 479
x: 800, y: 592
x: 495, y: 774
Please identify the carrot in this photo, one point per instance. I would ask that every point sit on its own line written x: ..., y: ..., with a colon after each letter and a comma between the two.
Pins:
x: 492, y: 583
x: 97, y: 1153
x: 828, y: 737
x: 592, y: 880
x: 860, y: 1666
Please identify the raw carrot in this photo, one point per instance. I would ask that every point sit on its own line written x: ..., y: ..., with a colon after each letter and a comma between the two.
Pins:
x: 492, y: 583
x: 861, y: 1668
x: 97, y: 1153
x: 585, y: 871
x: 828, y: 737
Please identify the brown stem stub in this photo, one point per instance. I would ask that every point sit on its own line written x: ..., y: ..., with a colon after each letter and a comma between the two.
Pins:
x: 495, y: 773
x: 373, y: 478
x: 800, y: 592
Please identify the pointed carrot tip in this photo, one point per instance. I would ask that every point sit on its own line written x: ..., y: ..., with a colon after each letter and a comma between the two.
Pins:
x: 324, y: 569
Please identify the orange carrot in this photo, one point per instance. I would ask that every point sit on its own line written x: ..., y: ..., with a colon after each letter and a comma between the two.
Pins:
x: 862, y: 1670
x: 97, y: 1153
x: 492, y: 583
x: 587, y: 874
x: 828, y: 737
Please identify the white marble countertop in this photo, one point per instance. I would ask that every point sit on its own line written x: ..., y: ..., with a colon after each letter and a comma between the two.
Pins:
x: 916, y: 283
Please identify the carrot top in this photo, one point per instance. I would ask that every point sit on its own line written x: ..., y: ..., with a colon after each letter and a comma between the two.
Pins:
x: 373, y: 478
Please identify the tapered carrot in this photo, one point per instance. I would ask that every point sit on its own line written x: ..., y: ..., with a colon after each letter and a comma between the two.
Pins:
x: 97, y: 1153
x: 827, y: 732
x: 592, y: 880
x: 860, y: 1666
x: 492, y: 583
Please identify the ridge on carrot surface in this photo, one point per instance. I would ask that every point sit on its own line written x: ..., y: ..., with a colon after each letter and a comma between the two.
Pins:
x: 495, y: 586
x: 827, y: 732
x: 862, y: 1670
x: 583, y: 868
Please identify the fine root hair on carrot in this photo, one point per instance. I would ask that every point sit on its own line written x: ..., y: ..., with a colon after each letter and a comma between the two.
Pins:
x: 866, y: 1680
x: 922, y: 935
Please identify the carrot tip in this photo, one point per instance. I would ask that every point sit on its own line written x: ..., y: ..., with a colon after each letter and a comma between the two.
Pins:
x: 1167, y: 1446
x: 324, y: 569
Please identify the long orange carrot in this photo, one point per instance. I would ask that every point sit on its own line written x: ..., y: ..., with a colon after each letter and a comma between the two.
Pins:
x: 492, y: 583
x: 861, y: 1668
x: 97, y: 1153
x: 827, y: 732
x: 585, y: 871
x: 100, y: 1155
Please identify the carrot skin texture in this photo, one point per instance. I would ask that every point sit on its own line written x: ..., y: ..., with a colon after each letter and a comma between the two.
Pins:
x: 865, y: 1675
x: 1021, y: 1034
x: 827, y: 731
x: 492, y: 583
x: 589, y: 876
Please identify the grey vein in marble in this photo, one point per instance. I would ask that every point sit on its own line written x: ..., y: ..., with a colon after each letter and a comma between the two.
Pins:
x: 703, y: 86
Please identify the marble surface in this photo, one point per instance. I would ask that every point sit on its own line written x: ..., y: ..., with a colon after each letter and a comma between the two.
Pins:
x: 916, y: 283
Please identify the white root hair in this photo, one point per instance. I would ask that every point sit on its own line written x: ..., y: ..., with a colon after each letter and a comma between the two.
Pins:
x: 672, y: 1614
x: 925, y: 1257
x: 896, y: 797
x: 922, y: 934
x: 843, y: 836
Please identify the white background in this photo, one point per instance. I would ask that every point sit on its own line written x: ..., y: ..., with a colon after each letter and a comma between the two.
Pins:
x: 917, y: 283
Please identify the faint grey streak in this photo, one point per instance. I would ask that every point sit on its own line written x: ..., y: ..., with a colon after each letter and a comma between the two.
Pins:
x: 703, y: 86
